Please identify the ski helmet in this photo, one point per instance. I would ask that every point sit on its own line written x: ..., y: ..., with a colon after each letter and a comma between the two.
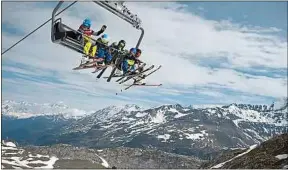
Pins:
x: 133, y: 51
x: 122, y: 42
x: 87, y: 22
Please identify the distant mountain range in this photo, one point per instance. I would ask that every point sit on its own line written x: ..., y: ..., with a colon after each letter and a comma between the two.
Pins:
x: 193, y: 131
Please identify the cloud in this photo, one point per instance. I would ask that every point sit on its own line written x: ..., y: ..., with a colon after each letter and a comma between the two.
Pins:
x: 174, y: 37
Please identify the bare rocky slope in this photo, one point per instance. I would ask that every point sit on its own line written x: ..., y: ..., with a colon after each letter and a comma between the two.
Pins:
x: 66, y: 156
x: 271, y: 154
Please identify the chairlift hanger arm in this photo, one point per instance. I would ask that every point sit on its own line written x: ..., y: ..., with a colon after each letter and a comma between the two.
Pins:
x: 123, y: 15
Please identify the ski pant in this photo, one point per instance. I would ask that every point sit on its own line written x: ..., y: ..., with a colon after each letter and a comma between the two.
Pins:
x: 87, y: 48
x: 102, y: 53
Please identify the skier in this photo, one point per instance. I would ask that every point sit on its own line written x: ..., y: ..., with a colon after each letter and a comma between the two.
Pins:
x: 120, y: 46
x: 130, y: 60
x: 103, y: 53
x: 87, y: 33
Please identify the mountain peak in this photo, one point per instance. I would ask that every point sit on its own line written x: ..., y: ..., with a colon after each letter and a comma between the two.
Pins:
x: 23, y: 110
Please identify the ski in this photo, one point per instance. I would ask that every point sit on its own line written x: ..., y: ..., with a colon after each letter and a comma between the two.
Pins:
x: 137, y: 74
x: 115, y: 76
x: 140, y: 74
x: 102, y: 71
x: 93, y: 66
x: 122, y: 76
x: 98, y: 69
x: 144, y: 84
x: 117, y: 65
x: 133, y: 73
x: 155, y: 85
x: 86, y: 65
x: 143, y: 77
x: 114, y: 59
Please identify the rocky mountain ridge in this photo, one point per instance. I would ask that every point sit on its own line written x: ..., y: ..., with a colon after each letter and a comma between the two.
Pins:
x: 201, y: 132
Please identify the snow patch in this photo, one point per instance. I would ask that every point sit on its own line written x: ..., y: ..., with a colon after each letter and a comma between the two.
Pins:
x: 49, y: 163
x: 11, y: 144
x: 136, y: 124
x: 139, y: 114
x: 206, y: 106
x: 108, y: 126
x: 104, y: 162
x: 221, y: 164
x: 8, y: 148
x: 252, y: 116
x: 265, y: 130
x: 17, y: 161
x: 159, y: 118
x: 282, y: 156
x: 38, y: 156
x: 212, y: 111
x: 236, y: 122
x: 196, y: 136
x: 178, y: 113
x: 128, y: 118
x: 193, y: 136
x: 165, y: 137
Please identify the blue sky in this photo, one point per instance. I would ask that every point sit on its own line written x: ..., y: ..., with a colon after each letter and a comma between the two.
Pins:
x: 212, y: 53
x: 264, y: 14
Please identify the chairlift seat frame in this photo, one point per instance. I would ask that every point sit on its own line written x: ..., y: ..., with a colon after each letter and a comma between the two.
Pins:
x: 59, y: 29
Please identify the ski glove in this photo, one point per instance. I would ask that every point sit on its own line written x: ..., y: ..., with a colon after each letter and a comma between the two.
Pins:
x: 103, y: 28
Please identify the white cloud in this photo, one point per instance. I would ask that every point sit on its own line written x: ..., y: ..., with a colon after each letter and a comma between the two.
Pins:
x: 173, y: 38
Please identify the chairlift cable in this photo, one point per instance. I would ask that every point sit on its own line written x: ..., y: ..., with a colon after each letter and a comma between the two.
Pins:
x: 36, y: 29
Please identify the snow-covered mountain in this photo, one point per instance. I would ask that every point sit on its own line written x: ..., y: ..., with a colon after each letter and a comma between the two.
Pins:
x: 173, y: 128
x: 27, y: 110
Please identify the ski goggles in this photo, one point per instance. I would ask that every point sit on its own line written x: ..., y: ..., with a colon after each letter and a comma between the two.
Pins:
x: 87, y: 25
x: 104, y: 40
